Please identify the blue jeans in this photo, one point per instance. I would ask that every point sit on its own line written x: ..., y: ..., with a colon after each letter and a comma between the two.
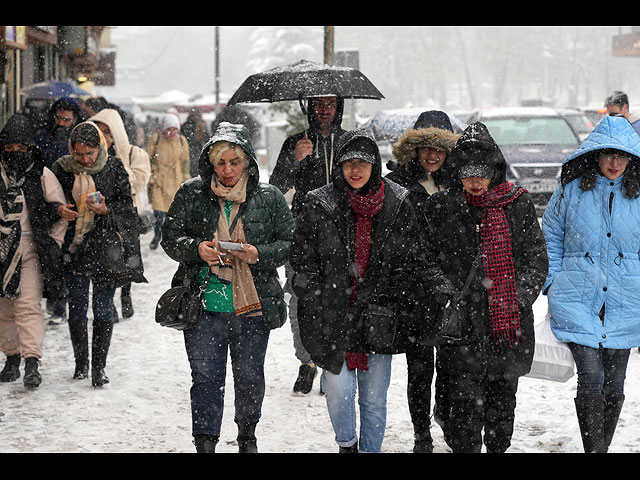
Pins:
x: 600, y: 370
x: 371, y: 386
x: 78, y: 299
x: 207, y: 344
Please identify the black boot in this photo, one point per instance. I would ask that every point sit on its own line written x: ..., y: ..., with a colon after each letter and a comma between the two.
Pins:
x: 612, y: 409
x: 590, y: 410
x: 247, y: 442
x: 11, y: 370
x: 125, y: 300
x: 101, y: 341
x: 423, y: 443
x: 205, y: 443
x: 32, y: 378
x: 80, y: 343
x: 352, y: 449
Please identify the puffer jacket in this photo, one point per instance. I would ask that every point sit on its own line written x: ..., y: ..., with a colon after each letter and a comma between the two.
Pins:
x: 268, y: 224
x: 593, y: 241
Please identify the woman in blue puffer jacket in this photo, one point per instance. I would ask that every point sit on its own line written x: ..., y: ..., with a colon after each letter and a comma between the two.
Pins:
x: 592, y: 230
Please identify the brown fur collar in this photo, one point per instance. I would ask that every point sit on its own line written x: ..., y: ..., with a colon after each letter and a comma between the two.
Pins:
x: 405, y: 150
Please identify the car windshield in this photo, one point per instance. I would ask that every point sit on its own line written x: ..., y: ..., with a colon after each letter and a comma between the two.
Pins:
x: 530, y: 130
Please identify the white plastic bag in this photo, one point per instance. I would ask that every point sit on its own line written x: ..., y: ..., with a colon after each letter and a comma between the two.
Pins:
x: 552, y: 360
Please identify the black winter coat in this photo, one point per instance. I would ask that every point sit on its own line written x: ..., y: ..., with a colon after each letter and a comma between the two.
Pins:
x: 113, y: 183
x: 322, y: 256
x: 453, y: 241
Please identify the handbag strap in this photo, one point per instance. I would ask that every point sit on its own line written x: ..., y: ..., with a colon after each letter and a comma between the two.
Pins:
x: 474, y: 268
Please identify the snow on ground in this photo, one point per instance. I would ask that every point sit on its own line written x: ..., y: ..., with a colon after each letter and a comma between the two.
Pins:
x: 145, y: 408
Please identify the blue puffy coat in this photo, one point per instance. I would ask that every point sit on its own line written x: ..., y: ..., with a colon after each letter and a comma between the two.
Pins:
x: 593, y: 244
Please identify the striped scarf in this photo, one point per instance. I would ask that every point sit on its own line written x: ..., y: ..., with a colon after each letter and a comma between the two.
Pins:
x: 497, y: 252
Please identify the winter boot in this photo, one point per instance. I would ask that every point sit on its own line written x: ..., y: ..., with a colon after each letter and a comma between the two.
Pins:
x: 612, y: 409
x: 590, y: 411
x: 101, y: 341
x: 205, y: 443
x: 306, y: 374
x: 80, y: 344
x: 115, y: 318
x: 11, y: 370
x: 352, y: 449
x: 423, y: 443
x: 127, y: 304
x: 32, y: 378
x: 247, y: 442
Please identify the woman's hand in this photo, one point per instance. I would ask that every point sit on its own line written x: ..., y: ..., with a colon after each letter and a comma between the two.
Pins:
x: 249, y: 254
x: 65, y: 212
x: 99, y: 208
x: 209, y: 252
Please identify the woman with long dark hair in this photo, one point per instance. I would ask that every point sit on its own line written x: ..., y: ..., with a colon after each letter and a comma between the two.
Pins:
x: 592, y: 229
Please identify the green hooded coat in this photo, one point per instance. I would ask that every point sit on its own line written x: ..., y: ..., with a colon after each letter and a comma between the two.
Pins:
x: 267, y: 220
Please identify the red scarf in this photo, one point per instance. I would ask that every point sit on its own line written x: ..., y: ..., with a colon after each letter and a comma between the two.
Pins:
x: 365, y: 207
x: 498, y: 259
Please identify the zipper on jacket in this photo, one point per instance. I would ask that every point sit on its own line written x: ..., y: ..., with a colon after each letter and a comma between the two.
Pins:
x: 586, y: 255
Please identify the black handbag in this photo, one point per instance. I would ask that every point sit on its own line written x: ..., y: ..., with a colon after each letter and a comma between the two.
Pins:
x: 445, y: 321
x: 108, y: 254
x: 181, y: 307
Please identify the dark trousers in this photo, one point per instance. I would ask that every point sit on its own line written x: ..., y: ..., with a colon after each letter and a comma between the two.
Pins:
x: 157, y: 228
x: 207, y: 345
x: 600, y: 370
x: 420, y: 367
x: 480, y: 402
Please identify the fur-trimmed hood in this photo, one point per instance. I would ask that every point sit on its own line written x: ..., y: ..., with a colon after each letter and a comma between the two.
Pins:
x: 406, y: 149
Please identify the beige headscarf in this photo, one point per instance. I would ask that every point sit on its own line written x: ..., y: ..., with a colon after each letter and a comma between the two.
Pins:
x: 245, y: 297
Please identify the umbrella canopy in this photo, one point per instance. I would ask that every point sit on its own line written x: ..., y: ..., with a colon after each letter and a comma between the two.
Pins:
x: 390, y: 125
x: 304, y: 79
x: 53, y: 89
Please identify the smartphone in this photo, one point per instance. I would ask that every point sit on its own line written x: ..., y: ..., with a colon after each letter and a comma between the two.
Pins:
x: 230, y: 245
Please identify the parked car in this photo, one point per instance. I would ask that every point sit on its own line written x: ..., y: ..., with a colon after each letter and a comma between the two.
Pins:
x: 535, y: 141
x: 579, y: 121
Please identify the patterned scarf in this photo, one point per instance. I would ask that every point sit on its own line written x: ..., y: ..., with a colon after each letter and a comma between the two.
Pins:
x: 11, y: 206
x: 245, y: 296
x: 498, y: 259
x: 365, y: 207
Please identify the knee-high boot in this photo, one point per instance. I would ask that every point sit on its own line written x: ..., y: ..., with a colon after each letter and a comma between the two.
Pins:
x: 612, y: 409
x: 80, y: 343
x: 590, y: 411
x: 101, y: 341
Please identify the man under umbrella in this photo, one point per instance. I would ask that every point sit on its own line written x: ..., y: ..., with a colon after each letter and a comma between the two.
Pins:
x: 305, y: 163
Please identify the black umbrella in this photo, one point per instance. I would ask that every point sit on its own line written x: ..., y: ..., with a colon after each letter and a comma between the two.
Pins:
x: 304, y: 79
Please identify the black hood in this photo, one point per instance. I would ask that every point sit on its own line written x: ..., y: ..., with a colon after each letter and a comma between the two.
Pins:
x: 476, y: 146
x: 348, y: 146
x: 19, y: 129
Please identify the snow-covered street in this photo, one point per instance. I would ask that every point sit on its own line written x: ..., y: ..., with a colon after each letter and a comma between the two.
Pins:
x: 145, y: 407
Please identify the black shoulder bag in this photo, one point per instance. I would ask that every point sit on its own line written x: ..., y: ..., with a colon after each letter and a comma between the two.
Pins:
x: 445, y: 320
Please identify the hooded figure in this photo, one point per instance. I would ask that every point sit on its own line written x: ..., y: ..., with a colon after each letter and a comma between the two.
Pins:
x: 423, y: 167
x: 592, y: 229
x: 484, y: 217
x: 243, y: 299
x: 31, y: 261
x: 306, y: 162
x: 355, y: 256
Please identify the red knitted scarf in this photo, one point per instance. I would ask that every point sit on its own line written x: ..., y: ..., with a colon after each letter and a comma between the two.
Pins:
x: 365, y: 207
x: 498, y: 259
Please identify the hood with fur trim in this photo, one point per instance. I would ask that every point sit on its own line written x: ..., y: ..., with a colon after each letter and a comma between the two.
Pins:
x: 406, y: 149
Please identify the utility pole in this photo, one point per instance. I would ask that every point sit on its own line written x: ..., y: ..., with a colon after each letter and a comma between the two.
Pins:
x: 328, y: 45
x: 216, y: 42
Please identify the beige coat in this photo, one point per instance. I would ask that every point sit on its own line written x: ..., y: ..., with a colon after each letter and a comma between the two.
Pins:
x: 135, y: 159
x: 169, y: 168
